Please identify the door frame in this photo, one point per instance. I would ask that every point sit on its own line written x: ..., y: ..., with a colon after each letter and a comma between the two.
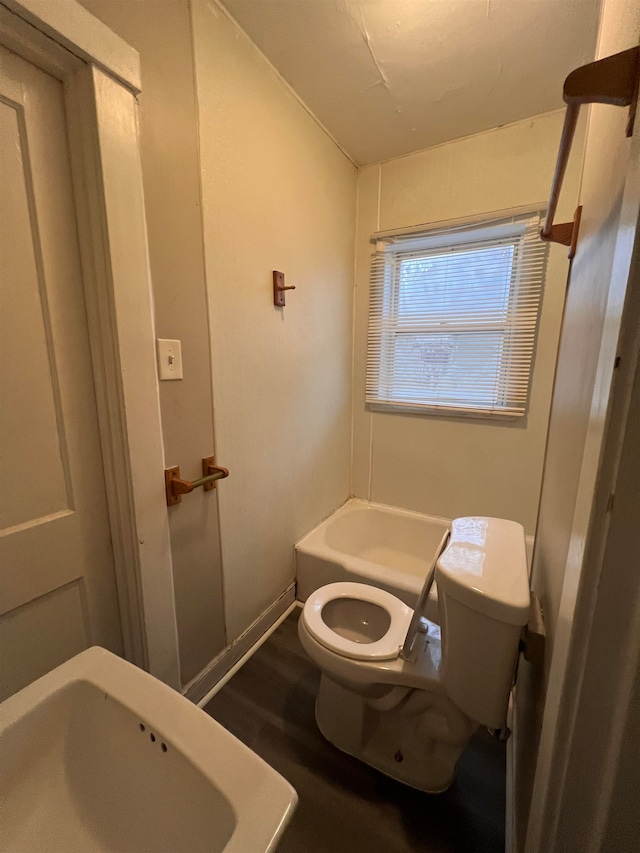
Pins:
x: 600, y: 601
x: 100, y: 74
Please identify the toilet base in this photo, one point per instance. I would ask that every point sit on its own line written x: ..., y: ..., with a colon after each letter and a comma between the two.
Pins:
x: 417, y: 742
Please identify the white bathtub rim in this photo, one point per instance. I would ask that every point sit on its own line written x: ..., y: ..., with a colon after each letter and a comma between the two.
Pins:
x: 372, y: 573
x: 310, y: 539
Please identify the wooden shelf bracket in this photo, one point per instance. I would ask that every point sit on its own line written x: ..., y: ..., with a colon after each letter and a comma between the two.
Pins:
x: 612, y: 80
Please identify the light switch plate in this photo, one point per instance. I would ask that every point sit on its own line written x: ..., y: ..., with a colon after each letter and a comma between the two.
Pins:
x: 169, y: 359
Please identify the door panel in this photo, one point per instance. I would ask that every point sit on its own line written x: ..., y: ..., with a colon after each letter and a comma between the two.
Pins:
x: 31, y: 419
x: 57, y: 583
x: 42, y: 633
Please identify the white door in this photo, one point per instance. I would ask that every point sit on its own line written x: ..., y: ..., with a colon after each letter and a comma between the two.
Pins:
x: 57, y: 582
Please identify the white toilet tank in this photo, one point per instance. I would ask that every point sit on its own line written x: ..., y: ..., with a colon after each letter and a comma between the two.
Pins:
x: 483, y: 598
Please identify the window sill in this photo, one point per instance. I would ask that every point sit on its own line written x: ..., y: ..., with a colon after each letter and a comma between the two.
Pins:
x: 446, y: 411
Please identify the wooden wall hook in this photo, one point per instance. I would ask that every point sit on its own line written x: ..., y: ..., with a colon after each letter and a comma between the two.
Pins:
x: 279, y: 289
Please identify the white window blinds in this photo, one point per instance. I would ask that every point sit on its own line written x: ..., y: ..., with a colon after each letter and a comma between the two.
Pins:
x: 453, y: 315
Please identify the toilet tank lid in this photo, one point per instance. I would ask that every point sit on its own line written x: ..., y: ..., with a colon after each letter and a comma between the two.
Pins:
x: 484, y: 566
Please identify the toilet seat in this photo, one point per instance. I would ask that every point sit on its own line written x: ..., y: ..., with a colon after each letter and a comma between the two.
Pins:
x: 386, y: 648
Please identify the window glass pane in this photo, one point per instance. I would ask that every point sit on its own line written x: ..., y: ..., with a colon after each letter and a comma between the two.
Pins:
x: 455, y: 287
x: 462, y: 368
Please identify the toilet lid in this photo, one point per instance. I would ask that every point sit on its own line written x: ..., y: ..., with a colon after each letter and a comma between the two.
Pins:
x: 386, y: 648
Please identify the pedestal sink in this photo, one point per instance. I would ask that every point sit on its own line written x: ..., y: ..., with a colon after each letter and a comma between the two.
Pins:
x: 97, y: 755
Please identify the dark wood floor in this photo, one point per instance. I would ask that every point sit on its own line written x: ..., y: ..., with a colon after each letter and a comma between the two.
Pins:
x: 345, y: 805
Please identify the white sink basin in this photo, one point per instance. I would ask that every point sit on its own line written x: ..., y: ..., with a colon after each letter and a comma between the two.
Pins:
x: 97, y: 755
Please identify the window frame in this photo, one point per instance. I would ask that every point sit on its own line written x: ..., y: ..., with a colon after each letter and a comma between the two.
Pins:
x: 437, y: 242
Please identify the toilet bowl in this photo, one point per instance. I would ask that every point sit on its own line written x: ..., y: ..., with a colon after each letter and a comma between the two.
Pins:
x: 404, y: 694
x: 357, y: 621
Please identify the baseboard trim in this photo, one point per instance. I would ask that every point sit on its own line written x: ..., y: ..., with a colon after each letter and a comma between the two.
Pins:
x: 204, y: 685
x: 510, y: 838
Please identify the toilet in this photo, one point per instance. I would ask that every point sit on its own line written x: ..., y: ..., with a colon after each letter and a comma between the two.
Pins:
x: 405, y: 694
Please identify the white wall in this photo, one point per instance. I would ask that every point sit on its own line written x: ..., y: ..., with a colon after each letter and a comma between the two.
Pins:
x: 277, y: 193
x: 441, y: 465
x: 161, y: 31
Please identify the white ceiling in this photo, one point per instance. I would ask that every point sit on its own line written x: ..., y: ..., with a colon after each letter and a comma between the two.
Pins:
x: 387, y: 77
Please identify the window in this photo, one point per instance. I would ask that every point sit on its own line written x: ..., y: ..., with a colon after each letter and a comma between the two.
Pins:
x: 453, y: 317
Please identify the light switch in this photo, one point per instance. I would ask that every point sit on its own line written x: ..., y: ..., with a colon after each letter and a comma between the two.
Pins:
x: 169, y: 359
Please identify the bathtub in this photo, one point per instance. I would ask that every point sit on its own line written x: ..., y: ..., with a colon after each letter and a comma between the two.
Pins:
x: 370, y: 543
